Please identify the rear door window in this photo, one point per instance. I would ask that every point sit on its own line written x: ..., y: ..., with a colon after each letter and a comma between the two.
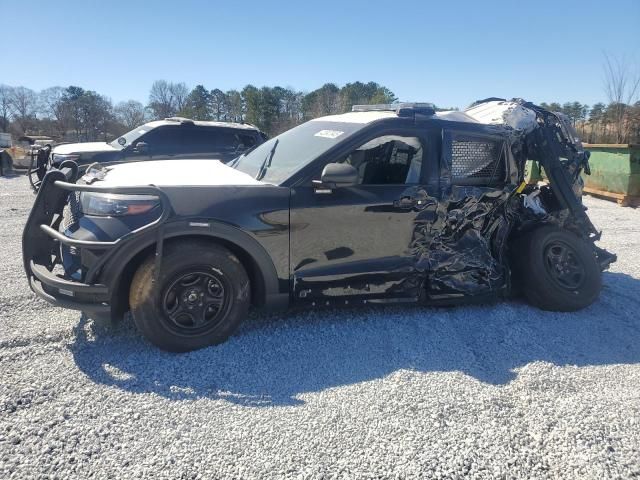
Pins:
x: 475, y: 159
x: 246, y: 140
x: 213, y: 140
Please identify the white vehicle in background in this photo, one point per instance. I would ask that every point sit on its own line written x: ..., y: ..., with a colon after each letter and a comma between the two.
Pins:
x: 5, y: 140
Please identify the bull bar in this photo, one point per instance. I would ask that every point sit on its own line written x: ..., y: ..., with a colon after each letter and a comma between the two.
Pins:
x: 42, y: 240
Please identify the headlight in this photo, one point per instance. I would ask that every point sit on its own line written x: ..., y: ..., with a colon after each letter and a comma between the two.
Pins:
x: 116, y: 205
x: 59, y: 157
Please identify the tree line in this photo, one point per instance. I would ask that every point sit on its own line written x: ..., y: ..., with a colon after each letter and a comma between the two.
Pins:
x: 76, y: 114
x: 602, y: 123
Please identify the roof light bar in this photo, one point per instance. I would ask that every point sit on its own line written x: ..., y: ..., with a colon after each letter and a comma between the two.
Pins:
x: 179, y: 120
x: 402, y: 109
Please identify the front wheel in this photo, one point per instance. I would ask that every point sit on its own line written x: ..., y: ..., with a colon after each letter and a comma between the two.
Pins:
x: 557, y: 270
x: 199, y: 298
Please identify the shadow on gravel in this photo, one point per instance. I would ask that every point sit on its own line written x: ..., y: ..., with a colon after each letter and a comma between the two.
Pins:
x: 13, y: 174
x: 272, y: 359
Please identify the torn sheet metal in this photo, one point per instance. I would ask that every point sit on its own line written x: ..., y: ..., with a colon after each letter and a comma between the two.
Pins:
x: 508, y: 113
x: 458, y: 240
x: 459, y: 228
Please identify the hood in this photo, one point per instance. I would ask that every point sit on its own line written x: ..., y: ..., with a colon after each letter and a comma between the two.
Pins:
x: 169, y: 173
x: 83, y: 147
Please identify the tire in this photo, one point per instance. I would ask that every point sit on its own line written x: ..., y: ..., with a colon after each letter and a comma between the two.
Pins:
x: 202, y: 295
x: 573, y: 285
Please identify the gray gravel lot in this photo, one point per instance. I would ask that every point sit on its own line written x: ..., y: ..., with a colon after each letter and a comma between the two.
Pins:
x: 496, y: 391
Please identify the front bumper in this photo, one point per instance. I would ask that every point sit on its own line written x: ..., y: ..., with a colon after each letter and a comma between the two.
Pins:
x: 42, y: 242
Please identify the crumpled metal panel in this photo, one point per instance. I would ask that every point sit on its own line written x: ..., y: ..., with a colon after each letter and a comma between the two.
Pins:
x: 508, y: 113
x: 457, y: 242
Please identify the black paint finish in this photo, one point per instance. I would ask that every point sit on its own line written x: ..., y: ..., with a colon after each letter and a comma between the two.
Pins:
x: 436, y: 241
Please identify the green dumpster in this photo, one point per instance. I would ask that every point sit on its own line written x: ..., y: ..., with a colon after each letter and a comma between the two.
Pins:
x: 615, y: 171
x: 533, y: 172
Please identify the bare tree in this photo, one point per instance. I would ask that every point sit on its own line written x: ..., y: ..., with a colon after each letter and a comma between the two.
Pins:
x: 24, y: 104
x: 6, y: 94
x: 179, y: 92
x: 161, y: 100
x: 621, y: 86
x: 166, y: 99
x: 52, y: 105
x: 130, y: 113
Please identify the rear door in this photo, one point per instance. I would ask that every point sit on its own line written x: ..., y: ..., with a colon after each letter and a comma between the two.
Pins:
x: 462, y: 241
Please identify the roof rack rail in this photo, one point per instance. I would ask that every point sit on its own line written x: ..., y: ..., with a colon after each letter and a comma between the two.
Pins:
x: 187, y: 121
x: 402, y: 109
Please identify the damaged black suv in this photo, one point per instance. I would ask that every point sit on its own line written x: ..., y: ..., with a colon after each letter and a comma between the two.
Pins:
x: 387, y: 203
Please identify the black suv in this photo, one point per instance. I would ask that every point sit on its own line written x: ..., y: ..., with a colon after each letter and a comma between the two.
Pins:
x: 168, y: 139
x: 385, y: 204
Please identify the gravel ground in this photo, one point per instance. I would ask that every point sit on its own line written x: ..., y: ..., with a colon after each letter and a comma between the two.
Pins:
x: 488, y: 391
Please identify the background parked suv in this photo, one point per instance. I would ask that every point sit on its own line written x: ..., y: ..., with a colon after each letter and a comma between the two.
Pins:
x: 165, y: 139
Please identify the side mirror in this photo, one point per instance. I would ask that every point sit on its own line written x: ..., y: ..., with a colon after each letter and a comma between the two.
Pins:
x: 339, y: 175
x: 141, y: 147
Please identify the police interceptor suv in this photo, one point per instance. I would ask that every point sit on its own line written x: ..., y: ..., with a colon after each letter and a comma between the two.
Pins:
x: 171, y: 138
x: 387, y: 203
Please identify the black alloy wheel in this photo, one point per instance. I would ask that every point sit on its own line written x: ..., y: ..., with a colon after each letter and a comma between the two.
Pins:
x: 555, y: 269
x: 198, y: 298
x: 563, y: 265
x: 196, y: 301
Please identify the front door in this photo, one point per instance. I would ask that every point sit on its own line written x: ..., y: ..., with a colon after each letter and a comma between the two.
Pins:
x: 354, y: 242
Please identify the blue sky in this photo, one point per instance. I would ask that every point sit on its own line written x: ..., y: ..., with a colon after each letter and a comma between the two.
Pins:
x: 448, y: 52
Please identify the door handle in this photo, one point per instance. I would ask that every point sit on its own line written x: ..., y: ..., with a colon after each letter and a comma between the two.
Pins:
x: 405, y: 203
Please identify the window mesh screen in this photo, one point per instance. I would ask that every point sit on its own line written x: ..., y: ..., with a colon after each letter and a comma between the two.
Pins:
x: 476, y: 159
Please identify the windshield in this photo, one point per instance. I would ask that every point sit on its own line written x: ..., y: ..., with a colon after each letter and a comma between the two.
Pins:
x: 295, y: 149
x: 130, y: 137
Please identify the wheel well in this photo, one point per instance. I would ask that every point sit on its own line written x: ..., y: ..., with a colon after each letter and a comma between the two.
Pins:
x: 258, y: 289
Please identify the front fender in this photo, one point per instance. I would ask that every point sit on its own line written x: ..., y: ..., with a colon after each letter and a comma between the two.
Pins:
x: 117, y: 268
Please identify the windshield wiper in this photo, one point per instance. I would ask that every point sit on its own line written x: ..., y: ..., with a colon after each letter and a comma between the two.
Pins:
x: 267, y: 162
x: 234, y: 161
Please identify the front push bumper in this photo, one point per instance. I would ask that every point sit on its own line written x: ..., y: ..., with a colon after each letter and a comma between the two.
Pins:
x: 42, y: 242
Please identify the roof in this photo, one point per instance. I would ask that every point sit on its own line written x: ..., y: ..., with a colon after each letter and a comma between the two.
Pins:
x: 35, y: 137
x: 201, y: 123
x: 499, y: 113
x: 368, y: 117
x: 455, y: 116
x: 357, y: 117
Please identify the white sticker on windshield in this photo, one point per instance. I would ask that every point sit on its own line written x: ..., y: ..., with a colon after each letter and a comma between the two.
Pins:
x: 142, y: 131
x: 329, y: 133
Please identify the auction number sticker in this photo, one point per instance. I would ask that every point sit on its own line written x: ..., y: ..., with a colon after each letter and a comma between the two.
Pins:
x: 329, y: 133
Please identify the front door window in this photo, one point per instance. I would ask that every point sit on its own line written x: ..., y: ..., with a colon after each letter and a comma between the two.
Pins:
x: 387, y: 160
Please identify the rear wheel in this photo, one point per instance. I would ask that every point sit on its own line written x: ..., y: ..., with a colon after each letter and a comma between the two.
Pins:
x: 557, y: 270
x: 201, y: 295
